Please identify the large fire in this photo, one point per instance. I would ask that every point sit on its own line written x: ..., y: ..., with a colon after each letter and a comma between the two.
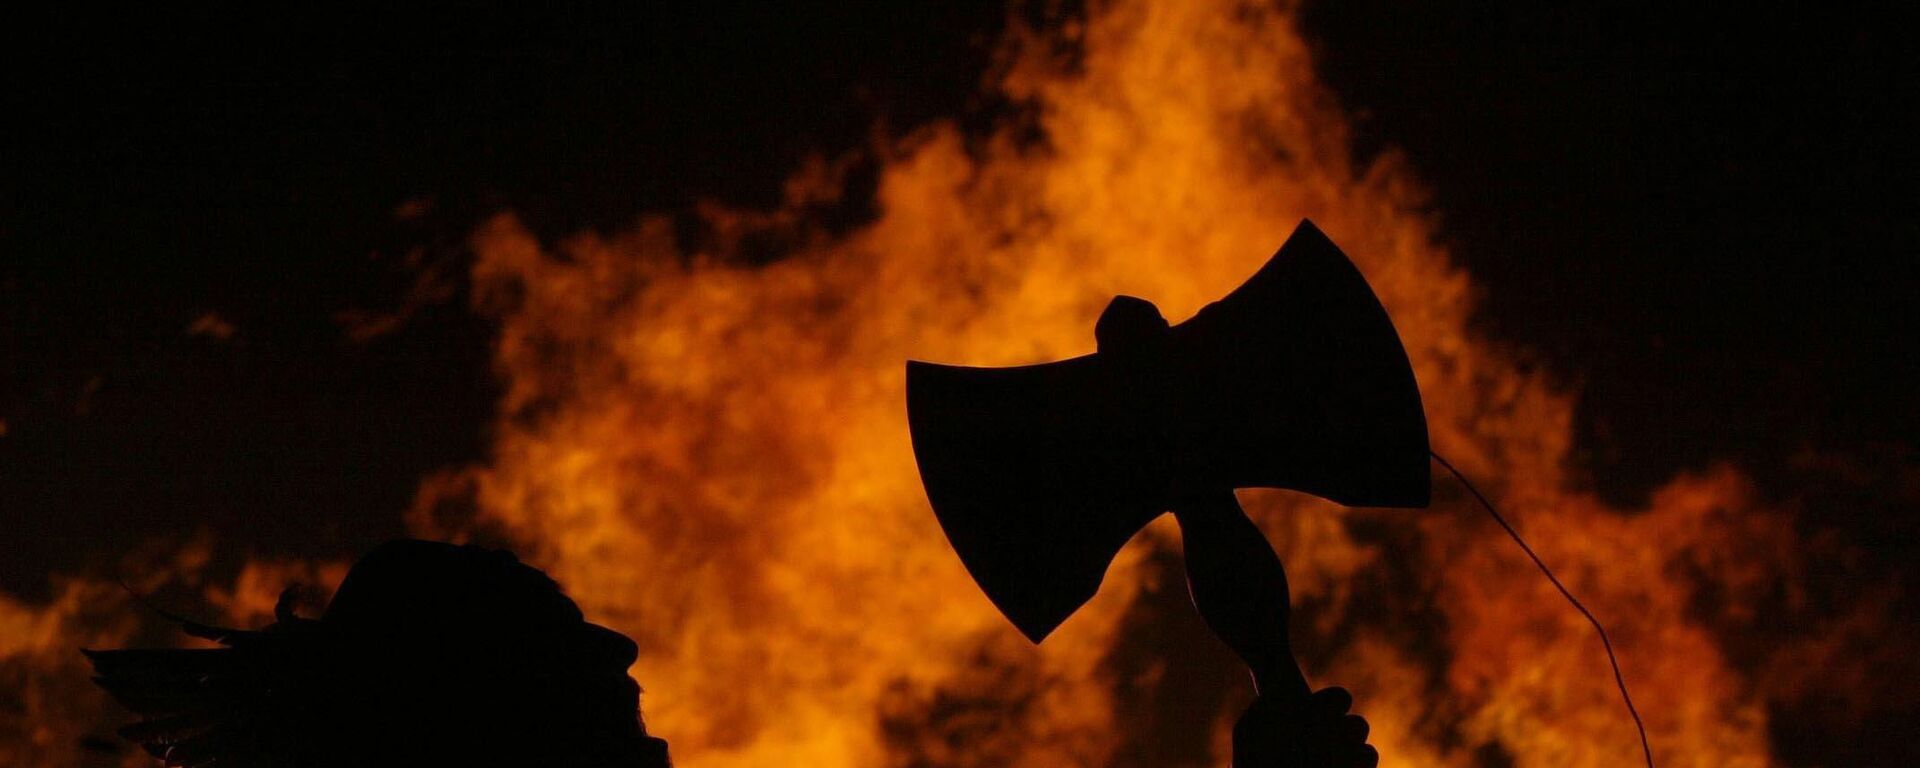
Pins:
x: 711, y: 454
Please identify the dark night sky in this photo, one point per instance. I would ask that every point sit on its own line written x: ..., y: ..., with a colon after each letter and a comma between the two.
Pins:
x: 1705, y: 224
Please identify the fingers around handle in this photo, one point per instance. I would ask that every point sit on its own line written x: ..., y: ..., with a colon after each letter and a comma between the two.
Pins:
x: 1315, y: 731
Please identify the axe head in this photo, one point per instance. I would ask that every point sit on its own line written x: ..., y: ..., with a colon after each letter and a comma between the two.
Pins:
x: 1040, y: 473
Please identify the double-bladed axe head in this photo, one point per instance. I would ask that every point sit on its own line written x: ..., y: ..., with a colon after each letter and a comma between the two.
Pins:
x: 1040, y: 473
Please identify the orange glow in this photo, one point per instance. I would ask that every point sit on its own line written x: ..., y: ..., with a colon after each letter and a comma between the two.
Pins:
x: 713, y: 457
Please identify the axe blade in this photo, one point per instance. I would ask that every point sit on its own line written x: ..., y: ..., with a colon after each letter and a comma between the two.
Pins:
x: 1038, y: 474
x: 1036, y: 492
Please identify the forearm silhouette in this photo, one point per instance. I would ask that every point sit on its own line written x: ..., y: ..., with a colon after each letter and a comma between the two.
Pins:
x: 1240, y: 589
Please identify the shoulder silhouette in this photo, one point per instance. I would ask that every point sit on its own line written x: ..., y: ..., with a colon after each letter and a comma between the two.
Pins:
x: 429, y: 654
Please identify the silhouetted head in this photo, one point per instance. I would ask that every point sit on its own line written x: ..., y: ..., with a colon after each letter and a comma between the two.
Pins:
x: 430, y: 654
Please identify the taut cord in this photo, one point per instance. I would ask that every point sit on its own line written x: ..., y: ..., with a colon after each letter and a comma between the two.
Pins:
x: 1618, y: 679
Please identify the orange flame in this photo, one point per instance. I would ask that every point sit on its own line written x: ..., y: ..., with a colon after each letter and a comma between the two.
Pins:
x: 714, y: 458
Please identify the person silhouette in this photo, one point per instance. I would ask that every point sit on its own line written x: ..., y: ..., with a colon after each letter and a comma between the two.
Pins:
x: 429, y: 654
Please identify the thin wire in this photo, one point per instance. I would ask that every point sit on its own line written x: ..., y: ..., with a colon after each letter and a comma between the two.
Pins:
x: 1618, y: 679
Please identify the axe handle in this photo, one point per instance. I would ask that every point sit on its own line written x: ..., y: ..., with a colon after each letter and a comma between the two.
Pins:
x: 1240, y: 589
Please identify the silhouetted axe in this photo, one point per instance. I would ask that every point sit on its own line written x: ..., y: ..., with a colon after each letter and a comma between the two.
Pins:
x: 1040, y: 473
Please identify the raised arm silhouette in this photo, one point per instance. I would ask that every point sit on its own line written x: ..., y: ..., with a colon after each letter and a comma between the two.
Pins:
x: 1296, y: 379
